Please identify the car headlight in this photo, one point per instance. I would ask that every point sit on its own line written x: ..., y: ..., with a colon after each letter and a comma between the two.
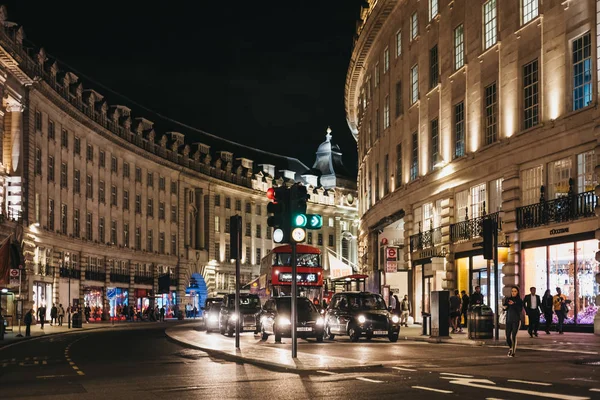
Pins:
x: 284, y: 321
x: 395, y: 319
x: 361, y: 319
x: 233, y: 317
x: 320, y: 321
x: 213, y: 318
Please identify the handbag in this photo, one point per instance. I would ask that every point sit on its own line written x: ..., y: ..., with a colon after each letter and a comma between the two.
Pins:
x: 564, y: 308
x: 502, y: 318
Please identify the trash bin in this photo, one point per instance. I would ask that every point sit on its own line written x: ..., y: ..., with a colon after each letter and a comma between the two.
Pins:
x: 426, y: 324
x: 481, y: 322
x: 76, y: 320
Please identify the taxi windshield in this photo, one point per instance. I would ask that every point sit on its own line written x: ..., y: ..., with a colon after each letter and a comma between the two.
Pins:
x: 366, y: 302
x: 246, y: 303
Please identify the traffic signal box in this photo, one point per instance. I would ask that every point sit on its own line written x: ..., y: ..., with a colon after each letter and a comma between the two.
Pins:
x: 279, y: 207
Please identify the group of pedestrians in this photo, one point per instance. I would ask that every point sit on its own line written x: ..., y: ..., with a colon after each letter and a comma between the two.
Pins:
x: 402, y: 308
x: 534, y: 306
x: 460, y: 305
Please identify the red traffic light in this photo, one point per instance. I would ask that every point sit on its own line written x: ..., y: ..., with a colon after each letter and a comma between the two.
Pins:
x: 271, y: 194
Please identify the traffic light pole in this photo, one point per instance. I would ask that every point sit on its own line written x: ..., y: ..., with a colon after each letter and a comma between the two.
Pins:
x: 496, y: 282
x: 237, y: 220
x: 294, y: 302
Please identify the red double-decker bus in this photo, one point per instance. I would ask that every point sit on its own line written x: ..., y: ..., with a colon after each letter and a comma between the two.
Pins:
x: 275, y: 278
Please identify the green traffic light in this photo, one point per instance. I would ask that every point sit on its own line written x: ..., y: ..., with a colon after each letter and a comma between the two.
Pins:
x: 300, y: 220
x: 316, y: 221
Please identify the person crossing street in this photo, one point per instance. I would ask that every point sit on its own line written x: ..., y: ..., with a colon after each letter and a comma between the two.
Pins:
x: 532, y: 304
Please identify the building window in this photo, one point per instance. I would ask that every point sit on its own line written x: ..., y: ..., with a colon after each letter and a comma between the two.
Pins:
x: 138, y: 204
x: 125, y: 170
x: 101, y: 229
x: 530, y: 94
x: 398, y: 165
x: 586, y: 178
x: 227, y: 202
x: 174, y: 245
x: 459, y: 47
x: 478, y: 196
x: 63, y: 219
x: 50, y: 129
x: 217, y: 200
x: 434, y: 72
x: 150, y: 241
x: 89, y: 188
x: 491, y: 114
x: 386, y: 113
x: 227, y: 252
x: 559, y: 173
x: 309, y: 238
x: 138, y: 238
x: 582, y: 72
x: 173, y: 213
x: 173, y: 187
x: 162, y: 183
x: 495, y: 196
x: 330, y: 241
x: 161, y: 243
x: 248, y: 229
x: 76, y: 227
x: 248, y: 208
x: 50, y: 169
x: 530, y: 10
x: 63, y: 175
x: 376, y: 189
x: 320, y: 239
x: 386, y: 175
x: 125, y: 199
x: 238, y: 205
x: 531, y: 180
x: 414, y: 84
x: 258, y: 209
x: 113, y: 231
x: 268, y: 233
x: 217, y: 223
x: 38, y: 161
x: 414, y: 26
x: 113, y: 195
x: 227, y: 225
x: 435, y: 144
x: 414, y: 165
x: 490, y: 30
x: 377, y: 125
x: 126, y: 235
x: 101, y: 187
x: 138, y: 175
x: 76, y: 181
x: 88, y: 226
x: 102, y: 161
x: 462, y: 203
x: 64, y: 138
x: 248, y: 255
x: 258, y: 255
x: 77, y: 145
x: 161, y: 210
x: 398, y: 43
x: 51, y: 214
x: 433, y: 9
x: 150, y: 208
x: 258, y: 231
x: 386, y: 60
x: 398, y: 99
x: 113, y: 164
x: 150, y: 179
x: 459, y: 130
x: 89, y: 153
x: 38, y: 120
x: 376, y: 73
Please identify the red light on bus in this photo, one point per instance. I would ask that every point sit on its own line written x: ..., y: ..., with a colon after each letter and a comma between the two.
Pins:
x: 271, y: 194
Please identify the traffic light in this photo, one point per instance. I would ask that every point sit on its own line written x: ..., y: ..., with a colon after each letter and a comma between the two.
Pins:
x: 488, y: 238
x: 279, y: 207
x: 314, y: 221
x: 297, y: 212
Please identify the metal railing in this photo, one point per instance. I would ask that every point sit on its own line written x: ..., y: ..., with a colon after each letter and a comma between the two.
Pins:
x: 471, y: 228
x: 95, y: 276
x: 144, y: 278
x: 559, y: 210
x: 121, y: 278
x: 70, y: 272
x: 426, y: 240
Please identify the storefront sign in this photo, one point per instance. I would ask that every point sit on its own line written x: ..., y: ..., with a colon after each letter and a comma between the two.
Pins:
x: 392, y: 266
x: 559, y: 231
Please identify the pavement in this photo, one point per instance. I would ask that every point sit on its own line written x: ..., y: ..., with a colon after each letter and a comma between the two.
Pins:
x: 311, y: 355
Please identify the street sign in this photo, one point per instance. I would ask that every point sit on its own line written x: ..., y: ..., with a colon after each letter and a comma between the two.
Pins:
x: 15, y: 275
x: 392, y: 253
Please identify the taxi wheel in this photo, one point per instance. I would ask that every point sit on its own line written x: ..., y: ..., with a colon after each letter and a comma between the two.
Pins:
x: 369, y: 337
x: 320, y: 339
x: 277, y: 337
x: 393, y: 338
x: 354, y: 334
x: 265, y: 335
x: 229, y: 330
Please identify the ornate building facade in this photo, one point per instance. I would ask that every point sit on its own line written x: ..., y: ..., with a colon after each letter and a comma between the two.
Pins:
x: 105, y: 204
x: 472, y: 110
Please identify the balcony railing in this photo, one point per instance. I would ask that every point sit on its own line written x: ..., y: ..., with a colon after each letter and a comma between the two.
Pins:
x: 144, y: 278
x: 559, y: 210
x: 121, y: 278
x: 44, y: 270
x: 471, y: 228
x: 95, y: 276
x: 425, y: 240
x: 70, y: 272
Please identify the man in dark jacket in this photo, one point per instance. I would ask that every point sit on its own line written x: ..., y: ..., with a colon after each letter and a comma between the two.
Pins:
x: 532, y: 304
x: 41, y: 314
x: 53, y: 315
x: 465, y: 307
x: 476, y: 298
x: 28, y: 322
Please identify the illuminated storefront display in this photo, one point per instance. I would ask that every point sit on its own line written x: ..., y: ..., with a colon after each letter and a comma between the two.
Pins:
x: 571, y: 267
x: 92, y: 297
x: 117, y: 298
x: 42, y: 296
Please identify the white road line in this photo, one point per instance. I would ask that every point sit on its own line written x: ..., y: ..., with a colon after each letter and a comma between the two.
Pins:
x: 53, y: 376
x: 594, y: 390
x: 327, y: 372
x: 432, y: 389
x: 457, y: 375
x: 530, y: 382
x: 404, y: 369
x: 360, y: 378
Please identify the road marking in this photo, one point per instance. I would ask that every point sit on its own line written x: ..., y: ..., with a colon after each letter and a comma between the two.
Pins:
x: 52, y: 376
x: 404, y: 369
x: 75, y: 368
x: 432, y: 389
x: 360, y: 378
x: 45, y: 362
x: 530, y: 382
x: 489, y: 385
x: 327, y: 372
x: 457, y: 375
x: 80, y: 373
x: 594, y: 390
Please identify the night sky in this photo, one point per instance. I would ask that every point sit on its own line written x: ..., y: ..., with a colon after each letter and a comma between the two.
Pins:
x: 269, y: 74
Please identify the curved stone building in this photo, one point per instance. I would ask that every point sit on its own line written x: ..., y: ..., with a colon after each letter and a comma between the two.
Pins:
x: 112, y: 209
x: 466, y: 110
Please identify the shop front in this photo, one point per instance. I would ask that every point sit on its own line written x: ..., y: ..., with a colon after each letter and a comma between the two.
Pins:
x: 93, y: 297
x: 168, y: 300
x: 118, y: 299
x: 428, y: 275
x: 473, y: 270
x: 42, y: 296
x: 568, y: 263
x: 143, y: 299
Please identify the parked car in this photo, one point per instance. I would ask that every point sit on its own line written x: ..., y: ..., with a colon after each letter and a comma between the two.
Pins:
x: 249, y: 311
x: 359, y: 314
x: 212, y: 308
x: 275, y: 319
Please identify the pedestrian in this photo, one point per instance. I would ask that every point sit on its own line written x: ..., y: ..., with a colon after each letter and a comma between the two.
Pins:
x: 560, y: 308
x: 476, y: 298
x: 195, y: 311
x: 87, y: 312
x: 455, y: 307
x: 393, y: 303
x: 404, y: 310
x: 131, y: 314
x: 28, y: 321
x: 162, y: 313
x: 61, y: 314
x: 53, y: 314
x: 532, y: 303
x: 41, y: 314
x: 547, y: 308
x: 464, y: 311
x: 513, y: 306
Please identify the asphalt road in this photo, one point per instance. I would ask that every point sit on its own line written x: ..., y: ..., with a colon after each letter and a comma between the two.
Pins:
x: 142, y: 364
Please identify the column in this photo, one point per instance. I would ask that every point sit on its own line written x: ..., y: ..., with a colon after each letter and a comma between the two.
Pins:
x: 511, y: 199
x: 106, y: 302
x: 446, y: 220
x: 82, y: 269
x: 200, y: 240
x: 130, y: 292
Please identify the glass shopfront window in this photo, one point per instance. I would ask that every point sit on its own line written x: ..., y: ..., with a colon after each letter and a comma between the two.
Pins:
x: 92, y: 297
x: 473, y: 271
x: 572, y: 268
x: 118, y: 299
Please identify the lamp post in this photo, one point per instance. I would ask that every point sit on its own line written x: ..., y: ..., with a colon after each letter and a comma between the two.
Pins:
x: 70, y: 308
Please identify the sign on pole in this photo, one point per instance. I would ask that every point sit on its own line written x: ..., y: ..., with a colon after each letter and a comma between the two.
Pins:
x: 15, y: 275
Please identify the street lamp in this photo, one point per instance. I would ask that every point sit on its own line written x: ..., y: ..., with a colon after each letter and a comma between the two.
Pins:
x: 66, y: 265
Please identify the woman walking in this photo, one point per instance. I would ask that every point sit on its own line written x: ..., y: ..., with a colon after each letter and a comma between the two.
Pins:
x: 514, y: 308
x: 547, y: 308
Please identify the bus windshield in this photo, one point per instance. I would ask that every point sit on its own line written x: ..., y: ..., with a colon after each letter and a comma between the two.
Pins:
x: 303, y: 259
